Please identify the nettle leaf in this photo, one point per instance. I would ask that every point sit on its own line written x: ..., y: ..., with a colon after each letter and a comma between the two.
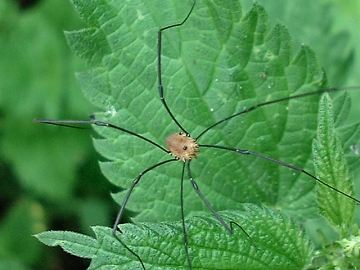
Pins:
x: 330, y: 164
x: 216, y: 64
x: 219, y: 62
x: 276, y: 243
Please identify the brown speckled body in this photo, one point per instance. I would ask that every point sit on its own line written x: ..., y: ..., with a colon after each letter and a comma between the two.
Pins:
x: 182, y: 147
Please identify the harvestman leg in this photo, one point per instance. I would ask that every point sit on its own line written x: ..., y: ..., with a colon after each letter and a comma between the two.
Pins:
x: 265, y: 157
x: 185, y: 235
x: 72, y: 123
x: 281, y: 163
x: 126, y: 199
x: 229, y: 227
x: 274, y: 101
x: 160, y: 83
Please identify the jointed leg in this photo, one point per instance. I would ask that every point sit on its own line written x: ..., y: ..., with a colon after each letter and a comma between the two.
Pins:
x: 185, y: 235
x: 76, y: 123
x: 228, y: 226
x: 281, y: 163
x: 123, y: 205
x: 270, y: 102
x: 160, y: 84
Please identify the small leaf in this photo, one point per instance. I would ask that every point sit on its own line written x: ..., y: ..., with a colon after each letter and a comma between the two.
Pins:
x: 342, y: 254
x: 276, y: 243
x: 331, y: 167
x: 74, y: 243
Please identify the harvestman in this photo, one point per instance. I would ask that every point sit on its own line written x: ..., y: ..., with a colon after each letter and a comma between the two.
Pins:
x: 184, y: 148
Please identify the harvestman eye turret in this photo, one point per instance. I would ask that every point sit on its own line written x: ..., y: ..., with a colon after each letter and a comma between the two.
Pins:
x: 185, y: 148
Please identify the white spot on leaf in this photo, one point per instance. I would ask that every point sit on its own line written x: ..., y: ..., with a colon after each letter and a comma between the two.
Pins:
x: 355, y: 149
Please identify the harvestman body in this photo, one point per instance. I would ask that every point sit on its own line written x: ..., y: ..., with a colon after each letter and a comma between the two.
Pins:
x: 185, y: 148
x: 182, y: 146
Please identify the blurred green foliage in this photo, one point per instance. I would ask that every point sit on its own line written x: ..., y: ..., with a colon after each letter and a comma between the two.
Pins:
x: 49, y: 177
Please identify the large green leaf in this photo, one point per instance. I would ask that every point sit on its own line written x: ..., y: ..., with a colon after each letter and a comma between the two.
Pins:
x: 276, y: 243
x: 216, y: 64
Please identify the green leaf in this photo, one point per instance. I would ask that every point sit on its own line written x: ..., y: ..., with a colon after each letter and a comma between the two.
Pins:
x: 216, y: 64
x: 342, y: 254
x: 330, y: 166
x: 276, y: 243
x: 213, y: 66
x: 74, y: 243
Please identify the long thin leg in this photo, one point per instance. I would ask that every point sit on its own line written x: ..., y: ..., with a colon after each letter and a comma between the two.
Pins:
x: 73, y: 123
x: 160, y: 84
x: 281, y: 163
x: 126, y: 199
x: 259, y: 105
x: 131, y: 251
x: 228, y: 228
x: 185, y: 234
x: 134, y: 183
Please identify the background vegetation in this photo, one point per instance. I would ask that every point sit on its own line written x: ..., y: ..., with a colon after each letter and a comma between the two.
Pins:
x: 49, y: 176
